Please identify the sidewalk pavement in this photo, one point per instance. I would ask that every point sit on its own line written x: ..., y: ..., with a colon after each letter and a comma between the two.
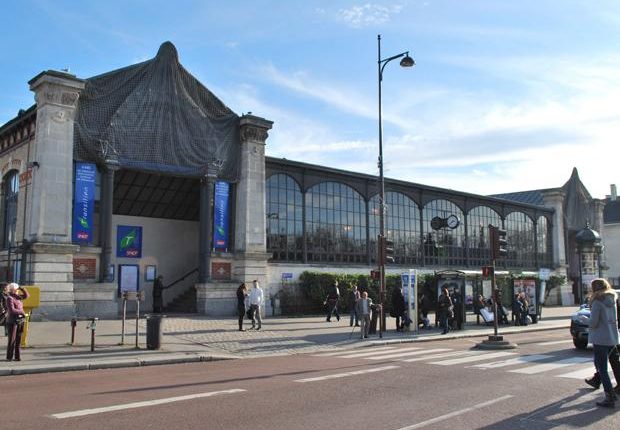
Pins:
x: 194, y: 338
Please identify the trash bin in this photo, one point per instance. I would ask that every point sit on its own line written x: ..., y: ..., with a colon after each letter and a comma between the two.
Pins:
x: 372, y: 329
x: 154, y: 331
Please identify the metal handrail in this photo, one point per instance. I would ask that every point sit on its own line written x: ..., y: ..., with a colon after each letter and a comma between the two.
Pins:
x: 182, y: 278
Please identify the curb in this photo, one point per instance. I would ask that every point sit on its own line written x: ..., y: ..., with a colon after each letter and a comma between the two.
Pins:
x: 111, y: 364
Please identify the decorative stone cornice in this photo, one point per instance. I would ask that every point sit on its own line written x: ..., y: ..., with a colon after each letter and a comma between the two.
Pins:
x: 56, y: 88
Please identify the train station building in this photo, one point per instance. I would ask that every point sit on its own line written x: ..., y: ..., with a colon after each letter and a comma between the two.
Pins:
x: 113, y: 180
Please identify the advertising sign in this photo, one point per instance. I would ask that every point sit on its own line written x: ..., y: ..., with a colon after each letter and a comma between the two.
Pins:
x: 409, y: 284
x: 220, y: 216
x: 128, y: 277
x: 128, y: 241
x: 84, y: 202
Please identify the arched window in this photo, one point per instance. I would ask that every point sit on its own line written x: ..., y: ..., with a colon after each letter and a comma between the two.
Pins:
x: 543, y: 242
x: 335, y: 224
x: 402, y: 225
x: 444, y: 247
x: 520, y: 236
x: 478, y: 220
x: 10, y: 190
x: 284, y: 218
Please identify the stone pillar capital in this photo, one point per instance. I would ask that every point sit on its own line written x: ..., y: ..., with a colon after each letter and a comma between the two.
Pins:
x: 254, y: 128
x: 56, y: 88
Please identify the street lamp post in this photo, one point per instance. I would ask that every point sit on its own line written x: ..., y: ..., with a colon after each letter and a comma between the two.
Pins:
x: 406, y: 61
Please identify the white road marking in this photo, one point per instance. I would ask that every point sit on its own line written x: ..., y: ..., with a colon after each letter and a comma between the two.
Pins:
x: 586, y: 372
x: 407, y: 354
x: 474, y: 358
x: 531, y: 370
x: 348, y: 350
x: 343, y: 375
x: 512, y: 361
x: 555, y: 342
x: 375, y: 352
x: 443, y: 355
x: 456, y: 413
x: 83, y: 412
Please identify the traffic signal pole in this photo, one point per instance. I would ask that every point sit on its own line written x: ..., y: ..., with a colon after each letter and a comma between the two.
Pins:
x: 497, y: 239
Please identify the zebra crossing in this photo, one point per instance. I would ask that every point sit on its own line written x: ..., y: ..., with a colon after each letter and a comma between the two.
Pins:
x: 509, y: 361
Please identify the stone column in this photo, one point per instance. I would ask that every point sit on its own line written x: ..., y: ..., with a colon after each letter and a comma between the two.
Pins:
x: 250, y: 224
x: 555, y: 200
x: 50, y: 201
x: 206, y: 222
x: 107, y: 203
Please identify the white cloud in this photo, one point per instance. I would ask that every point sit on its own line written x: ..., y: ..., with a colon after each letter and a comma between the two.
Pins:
x: 369, y: 14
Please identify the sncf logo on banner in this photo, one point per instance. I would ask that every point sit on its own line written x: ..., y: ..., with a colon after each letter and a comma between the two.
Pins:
x: 128, y: 241
x: 84, y: 202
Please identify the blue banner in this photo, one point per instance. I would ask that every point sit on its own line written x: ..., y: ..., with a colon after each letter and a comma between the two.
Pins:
x: 220, y: 216
x: 84, y: 202
x: 128, y: 241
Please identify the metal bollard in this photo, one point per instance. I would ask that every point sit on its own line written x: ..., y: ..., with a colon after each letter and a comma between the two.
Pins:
x: 73, y: 325
x: 92, y: 326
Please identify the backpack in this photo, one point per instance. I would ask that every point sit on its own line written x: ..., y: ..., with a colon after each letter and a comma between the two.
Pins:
x: 4, y: 310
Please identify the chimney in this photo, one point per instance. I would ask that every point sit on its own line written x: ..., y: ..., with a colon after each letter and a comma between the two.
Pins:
x: 614, y: 193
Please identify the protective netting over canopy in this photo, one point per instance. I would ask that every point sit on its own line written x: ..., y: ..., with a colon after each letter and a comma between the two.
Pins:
x: 577, y: 210
x: 155, y: 116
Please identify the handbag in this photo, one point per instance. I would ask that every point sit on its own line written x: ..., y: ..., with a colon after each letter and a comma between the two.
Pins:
x: 250, y: 313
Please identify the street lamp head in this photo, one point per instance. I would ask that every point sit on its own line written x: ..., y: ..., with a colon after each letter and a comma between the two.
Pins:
x: 407, y: 61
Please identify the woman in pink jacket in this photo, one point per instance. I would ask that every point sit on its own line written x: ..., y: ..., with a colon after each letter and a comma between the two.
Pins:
x: 17, y: 317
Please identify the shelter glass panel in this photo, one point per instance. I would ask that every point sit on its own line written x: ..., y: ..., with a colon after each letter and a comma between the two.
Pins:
x: 402, y: 225
x: 284, y: 219
x: 444, y: 247
x: 479, y: 244
x: 335, y: 224
x: 521, y: 241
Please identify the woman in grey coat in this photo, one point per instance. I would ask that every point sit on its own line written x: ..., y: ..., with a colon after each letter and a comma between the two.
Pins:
x: 603, y: 333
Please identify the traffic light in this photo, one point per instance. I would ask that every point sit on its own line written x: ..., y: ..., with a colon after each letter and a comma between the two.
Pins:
x: 487, y: 271
x: 499, y: 244
x: 388, y: 251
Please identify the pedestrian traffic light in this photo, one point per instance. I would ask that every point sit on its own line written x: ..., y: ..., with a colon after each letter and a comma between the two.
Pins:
x: 487, y: 271
x: 388, y: 251
x: 499, y: 244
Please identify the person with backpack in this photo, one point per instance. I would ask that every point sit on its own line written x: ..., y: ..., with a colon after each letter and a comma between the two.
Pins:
x: 16, y: 320
x: 331, y: 301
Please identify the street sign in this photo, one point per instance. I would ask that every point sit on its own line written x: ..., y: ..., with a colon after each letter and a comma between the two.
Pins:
x: 544, y: 274
x: 287, y: 275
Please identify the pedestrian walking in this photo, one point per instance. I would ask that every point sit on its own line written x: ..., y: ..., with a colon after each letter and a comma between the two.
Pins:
x: 331, y: 301
x: 354, y: 296
x: 445, y: 310
x: 4, y: 310
x: 614, y: 362
x: 17, y: 317
x: 363, y: 308
x: 256, y: 303
x: 398, y: 308
x: 603, y: 333
x: 242, y: 293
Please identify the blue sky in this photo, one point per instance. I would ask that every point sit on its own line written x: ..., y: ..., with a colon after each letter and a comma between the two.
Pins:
x: 505, y: 96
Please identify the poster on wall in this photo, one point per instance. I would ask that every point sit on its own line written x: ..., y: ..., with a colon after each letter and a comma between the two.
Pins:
x: 128, y: 277
x: 84, y: 203
x: 128, y: 241
x: 527, y: 286
x: 220, y: 216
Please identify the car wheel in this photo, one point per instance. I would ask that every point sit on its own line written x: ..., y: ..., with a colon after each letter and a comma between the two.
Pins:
x: 580, y: 344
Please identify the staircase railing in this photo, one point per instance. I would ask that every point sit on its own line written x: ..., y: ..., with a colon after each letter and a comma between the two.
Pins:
x: 182, y: 278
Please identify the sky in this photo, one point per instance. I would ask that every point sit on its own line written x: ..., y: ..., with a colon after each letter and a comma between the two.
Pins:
x: 505, y: 96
